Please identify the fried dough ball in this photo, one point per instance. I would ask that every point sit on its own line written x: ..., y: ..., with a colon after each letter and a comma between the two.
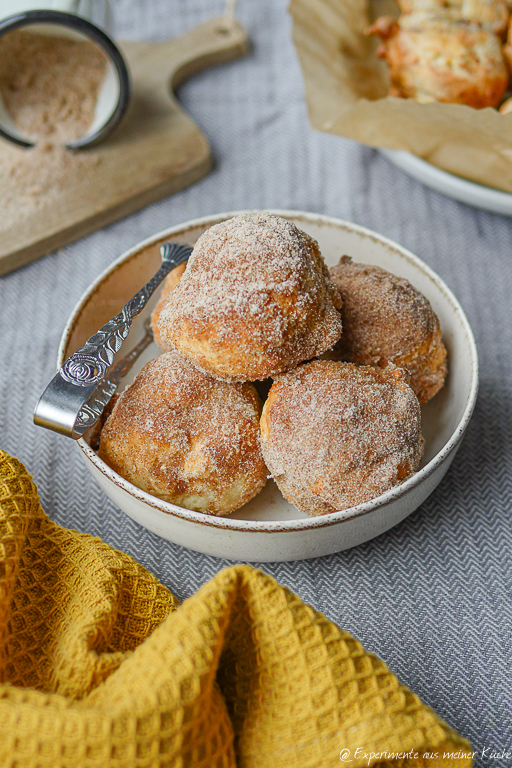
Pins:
x: 170, y: 283
x: 506, y: 107
x: 187, y: 438
x: 435, y: 58
x: 490, y: 14
x: 335, y: 435
x: 385, y: 319
x: 507, y: 52
x: 256, y: 299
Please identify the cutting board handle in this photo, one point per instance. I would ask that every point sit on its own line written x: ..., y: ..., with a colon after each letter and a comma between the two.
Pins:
x: 214, y: 42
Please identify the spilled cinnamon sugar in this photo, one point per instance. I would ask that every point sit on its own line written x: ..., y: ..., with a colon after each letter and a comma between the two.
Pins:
x: 49, y: 86
x: 31, y: 179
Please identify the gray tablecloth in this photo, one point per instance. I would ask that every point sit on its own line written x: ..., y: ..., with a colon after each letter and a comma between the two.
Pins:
x: 432, y: 597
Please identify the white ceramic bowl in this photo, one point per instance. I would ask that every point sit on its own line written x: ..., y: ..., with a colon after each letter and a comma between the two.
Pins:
x: 464, y: 190
x: 269, y: 528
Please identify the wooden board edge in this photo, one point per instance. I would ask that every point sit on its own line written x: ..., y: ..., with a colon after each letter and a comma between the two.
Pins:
x: 16, y: 259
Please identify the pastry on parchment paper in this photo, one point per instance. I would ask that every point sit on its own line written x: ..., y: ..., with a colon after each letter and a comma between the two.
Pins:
x: 437, y: 58
x: 507, y: 52
x: 489, y: 14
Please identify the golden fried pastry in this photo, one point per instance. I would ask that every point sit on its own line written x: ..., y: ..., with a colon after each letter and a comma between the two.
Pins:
x: 386, y: 320
x: 170, y: 283
x: 490, y: 14
x: 507, y: 52
x: 256, y: 299
x: 506, y: 107
x: 187, y: 438
x: 335, y: 435
x: 434, y: 58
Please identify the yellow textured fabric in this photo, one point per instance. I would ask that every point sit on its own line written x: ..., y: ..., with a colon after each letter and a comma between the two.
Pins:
x: 100, y: 667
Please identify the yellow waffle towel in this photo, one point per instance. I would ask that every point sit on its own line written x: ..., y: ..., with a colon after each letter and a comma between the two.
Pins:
x: 100, y: 667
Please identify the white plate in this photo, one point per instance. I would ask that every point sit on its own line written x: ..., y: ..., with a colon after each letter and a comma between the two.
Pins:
x: 465, y: 191
x: 268, y: 528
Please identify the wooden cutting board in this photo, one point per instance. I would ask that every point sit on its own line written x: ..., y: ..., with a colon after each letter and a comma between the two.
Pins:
x: 157, y: 150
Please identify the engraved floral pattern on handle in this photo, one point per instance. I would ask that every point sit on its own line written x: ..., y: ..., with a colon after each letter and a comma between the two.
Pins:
x: 90, y: 363
x: 93, y: 407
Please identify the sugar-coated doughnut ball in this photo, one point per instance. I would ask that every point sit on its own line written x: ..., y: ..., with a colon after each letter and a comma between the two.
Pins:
x: 335, y: 435
x: 170, y: 283
x: 256, y: 299
x: 386, y: 319
x: 186, y: 437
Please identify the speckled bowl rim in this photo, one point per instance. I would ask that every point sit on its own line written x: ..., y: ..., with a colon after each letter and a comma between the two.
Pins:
x: 282, y: 526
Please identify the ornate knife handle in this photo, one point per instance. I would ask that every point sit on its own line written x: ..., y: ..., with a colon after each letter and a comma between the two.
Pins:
x: 79, y: 392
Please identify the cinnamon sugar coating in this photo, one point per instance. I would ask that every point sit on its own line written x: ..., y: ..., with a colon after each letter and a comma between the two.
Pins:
x: 170, y: 283
x: 335, y: 435
x: 385, y: 319
x: 439, y: 58
x: 256, y: 299
x: 187, y: 438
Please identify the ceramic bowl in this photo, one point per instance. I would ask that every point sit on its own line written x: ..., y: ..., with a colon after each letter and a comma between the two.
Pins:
x: 269, y: 528
x: 464, y: 190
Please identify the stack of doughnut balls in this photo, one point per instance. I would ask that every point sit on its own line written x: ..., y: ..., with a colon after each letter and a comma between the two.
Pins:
x: 342, y: 360
x: 453, y: 51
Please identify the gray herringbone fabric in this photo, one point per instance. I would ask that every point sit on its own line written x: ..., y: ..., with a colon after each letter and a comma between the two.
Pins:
x: 433, y: 596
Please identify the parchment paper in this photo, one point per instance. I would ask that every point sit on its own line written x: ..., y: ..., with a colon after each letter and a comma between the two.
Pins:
x: 346, y: 87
